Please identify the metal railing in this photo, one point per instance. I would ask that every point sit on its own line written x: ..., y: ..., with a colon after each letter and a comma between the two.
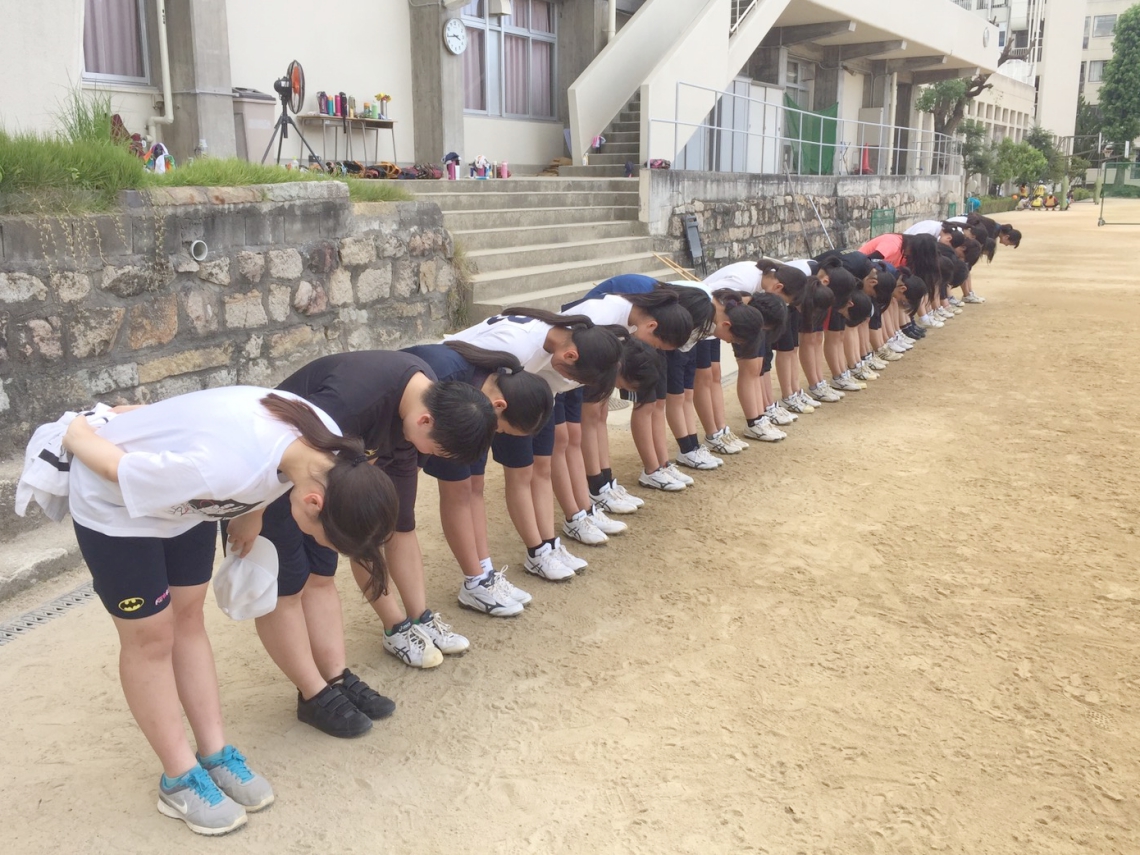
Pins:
x: 739, y: 133
x: 740, y: 8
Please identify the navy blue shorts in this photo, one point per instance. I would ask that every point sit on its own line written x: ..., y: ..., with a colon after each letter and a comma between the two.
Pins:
x: 518, y: 452
x: 133, y: 575
x: 711, y: 347
x: 446, y: 469
x: 298, y: 554
x: 769, y: 354
x: 836, y: 322
x: 876, y: 320
x: 662, y: 388
x: 790, y: 338
x: 680, y: 370
x: 568, y: 407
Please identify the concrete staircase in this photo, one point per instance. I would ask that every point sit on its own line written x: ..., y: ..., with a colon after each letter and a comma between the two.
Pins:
x: 543, y: 242
x: 623, y: 144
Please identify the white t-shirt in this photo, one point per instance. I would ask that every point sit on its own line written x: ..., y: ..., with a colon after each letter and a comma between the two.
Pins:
x: 609, y: 309
x: 708, y: 289
x: 202, y: 456
x: 805, y: 265
x: 742, y: 276
x: 925, y: 227
x: 523, y: 338
x: 962, y: 220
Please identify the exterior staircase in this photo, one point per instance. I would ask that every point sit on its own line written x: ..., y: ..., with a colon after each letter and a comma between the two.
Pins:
x: 623, y: 144
x: 542, y: 242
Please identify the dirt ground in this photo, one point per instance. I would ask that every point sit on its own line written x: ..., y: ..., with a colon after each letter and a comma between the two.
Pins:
x: 909, y: 628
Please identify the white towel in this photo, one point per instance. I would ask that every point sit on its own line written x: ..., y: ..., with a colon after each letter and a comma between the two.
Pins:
x: 47, y: 467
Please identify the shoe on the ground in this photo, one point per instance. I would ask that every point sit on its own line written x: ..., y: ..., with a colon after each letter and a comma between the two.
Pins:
x: 414, y: 647
x: 621, y: 492
x: 490, y: 597
x: 822, y: 392
x: 727, y: 433
x: 516, y: 593
x: 864, y: 372
x: 896, y: 347
x: 546, y: 563
x: 233, y: 776
x: 582, y: 529
x: 332, y: 711
x: 704, y: 454
x: 807, y: 401
x: 765, y: 431
x: 955, y: 302
x: 851, y: 379
x: 441, y: 634
x: 887, y: 354
x: 845, y: 383
x: 364, y: 697
x: 677, y: 475
x: 944, y: 314
x: 572, y: 561
x: 793, y: 404
x: 660, y: 480
x: 973, y: 298
x: 876, y: 363
x: 612, y: 502
x: 721, y: 444
x: 694, y: 459
x: 195, y: 799
x: 777, y: 415
x: 603, y: 523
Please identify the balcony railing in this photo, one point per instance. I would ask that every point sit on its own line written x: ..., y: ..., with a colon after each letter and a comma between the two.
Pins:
x: 740, y: 8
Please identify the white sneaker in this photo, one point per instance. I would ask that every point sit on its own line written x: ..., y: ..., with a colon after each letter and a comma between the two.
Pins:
x: 845, y: 383
x: 944, y: 314
x: 765, y: 431
x: 955, y: 302
x: 442, y: 636
x: 677, y: 475
x: 733, y: 438
x: 413, y: 647
x: 548, y: 564
x: 973, y: 298
x: 491, y: 596
x: 794, y: 405
x: 887, y: 355
x: 808, y: 403
x: 905, y: 340
x: 719, y: 443
x: 572, y: 561
x: 777, y: 415
x: 694, y: 459
x: 604, y: 524
x: 897, y: 348
x: 610, y: 501
x: 864, y: 372
x: 822, y: 392
x: 623, y: 494
x: 876, y: 362
x: 583, y: 530
x: 660, y: 480
x: 704, y: 454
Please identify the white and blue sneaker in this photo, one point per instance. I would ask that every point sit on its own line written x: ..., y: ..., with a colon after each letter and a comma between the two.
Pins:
x: 195, y: 799
x: 229, y: 771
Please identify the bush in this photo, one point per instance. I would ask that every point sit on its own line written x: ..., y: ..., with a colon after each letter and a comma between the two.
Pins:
x: 1080, y: 194
x: 1122, y: 191
x: 996, y: 205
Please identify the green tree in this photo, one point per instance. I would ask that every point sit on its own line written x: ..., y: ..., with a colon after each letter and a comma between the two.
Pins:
x: 1056, y: 161
x: 977, y: 152
x: 1120, y: 94
x: 1018, y: 162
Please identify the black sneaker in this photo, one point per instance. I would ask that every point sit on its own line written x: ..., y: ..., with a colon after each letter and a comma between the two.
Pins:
x: 364, y: 697
x: 330, y: 711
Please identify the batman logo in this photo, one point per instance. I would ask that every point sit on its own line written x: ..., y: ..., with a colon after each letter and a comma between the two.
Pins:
x: 131, y: 604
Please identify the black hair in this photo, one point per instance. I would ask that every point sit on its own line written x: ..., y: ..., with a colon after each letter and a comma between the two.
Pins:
x: 884, y: 289
x: 859, y: 310
x: 641, y: 366
x: 700, y: 308
x: 1013, y: 234
x: 971, y: 251
x: 773, y: 310
x: 957, y: 239
x: 599, y: 347
x: 818, y: 299
x: 791, y: 278
x: 529, y: 399
x: 842, y: 284
x: 989, y: 245
x: 921, y: 255
x: 463, y: 420
x: 674, y: 322
x: 915, y: 287
x: 360, y: 504
x: 855, y: 263
x: 745, y: 323
x: 992, y: 227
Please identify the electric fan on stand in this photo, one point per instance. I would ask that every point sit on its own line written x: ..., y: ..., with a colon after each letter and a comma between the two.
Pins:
x: 291, y: 89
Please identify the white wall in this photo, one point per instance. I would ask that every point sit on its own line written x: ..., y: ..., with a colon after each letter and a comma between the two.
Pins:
x: 360, y: 48
x: 42, y: 50
x: 526, y: 146
x: 1060, y: 66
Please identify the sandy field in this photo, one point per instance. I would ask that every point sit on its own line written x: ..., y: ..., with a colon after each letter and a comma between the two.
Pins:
x: 909, y: 628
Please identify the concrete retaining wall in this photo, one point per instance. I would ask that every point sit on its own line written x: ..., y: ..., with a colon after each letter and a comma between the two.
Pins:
x: 113, y: 308
x: 742, y: 216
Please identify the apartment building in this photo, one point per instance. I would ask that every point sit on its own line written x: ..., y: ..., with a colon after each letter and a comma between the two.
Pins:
x: 1100, y: 26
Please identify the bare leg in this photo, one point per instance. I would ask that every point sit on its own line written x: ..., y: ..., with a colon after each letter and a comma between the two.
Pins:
x: 194, y: 671
x: 323, y: 617
x: 520, y: 492
x: 788, y: 372
x: 766, y: 397
x: 285, y: 635
x: 542, y: 494
x: 455, y: 514
x: 716, y: 396
x: 676, y: 414
x: 641, y: 426
x: 576, y: 467
x: 748, y: 387
x: 702, y: 400
x: 833, y: 352
x: 406, y: 576
x: 659, y: 440
x: 560, y: 472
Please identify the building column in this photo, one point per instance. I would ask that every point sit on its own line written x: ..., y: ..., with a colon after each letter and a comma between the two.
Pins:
x: 200, y: 78
x: 437, y: 109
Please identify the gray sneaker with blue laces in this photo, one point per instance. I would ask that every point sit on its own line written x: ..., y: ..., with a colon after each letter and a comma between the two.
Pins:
x: 195, y: 799
x: 229, y: 771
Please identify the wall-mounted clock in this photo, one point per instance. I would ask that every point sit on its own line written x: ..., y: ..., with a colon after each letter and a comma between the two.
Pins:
x: 455, y: 36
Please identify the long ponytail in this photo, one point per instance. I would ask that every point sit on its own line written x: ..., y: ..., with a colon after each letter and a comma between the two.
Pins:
x: 674, y: 322
x: 598, y: 346
x: 360, y: 503
x: 529, y: 399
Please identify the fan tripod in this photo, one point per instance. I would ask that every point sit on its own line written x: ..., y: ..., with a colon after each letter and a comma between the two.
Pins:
x: 284, y: 122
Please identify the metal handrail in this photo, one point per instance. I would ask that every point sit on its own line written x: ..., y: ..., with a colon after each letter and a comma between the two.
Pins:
x: 740, y: 8
x: 922, y: 151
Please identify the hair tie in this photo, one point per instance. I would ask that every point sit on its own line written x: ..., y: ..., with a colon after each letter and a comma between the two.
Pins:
x: 358, y: 459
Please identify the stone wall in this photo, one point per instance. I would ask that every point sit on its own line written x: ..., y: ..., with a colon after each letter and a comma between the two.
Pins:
x: 743, y: 216
x: 114, y: 308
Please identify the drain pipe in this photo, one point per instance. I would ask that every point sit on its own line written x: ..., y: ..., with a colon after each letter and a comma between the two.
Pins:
x: 611, y: 24
x: 167, y: 116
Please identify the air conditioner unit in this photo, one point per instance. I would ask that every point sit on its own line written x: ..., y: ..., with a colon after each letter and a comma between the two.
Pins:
x: 498, y: 7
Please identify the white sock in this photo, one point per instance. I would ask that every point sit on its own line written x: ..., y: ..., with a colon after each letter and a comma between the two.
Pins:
x: 486, y: 564
x: 472, y: 582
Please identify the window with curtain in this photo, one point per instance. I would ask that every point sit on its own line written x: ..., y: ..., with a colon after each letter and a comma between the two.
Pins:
x: 1103, y: 26
x: 1096, y: 70
x: 114, y: 41
x: 509, y: 66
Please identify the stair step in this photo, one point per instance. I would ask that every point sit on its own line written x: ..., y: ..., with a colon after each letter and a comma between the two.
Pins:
x: 623, y: 137
x: 505, y: 218
x: 633, y: 148
x: 491, y: 201
x: 625, y: 127
x: 606, y: 158
x: 505, y: 285
x: 33, y: 556
x: 543, y: 255
x: 630, y: 116
x: 424, y: 189
x: 530, y: 235
x: 593, y: 170
x: 552, y: 299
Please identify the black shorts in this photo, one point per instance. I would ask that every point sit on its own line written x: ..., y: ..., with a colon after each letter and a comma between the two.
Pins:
x: 133, y: 575
x: 445, y: 469
x: 875, y: 322
x: 298, y: 554
x: 712, y: 348
x: 769, y: 354
x: 836, y: 322
x: 518, y: 452
x: 680, y: 370
x: 790, y: 338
